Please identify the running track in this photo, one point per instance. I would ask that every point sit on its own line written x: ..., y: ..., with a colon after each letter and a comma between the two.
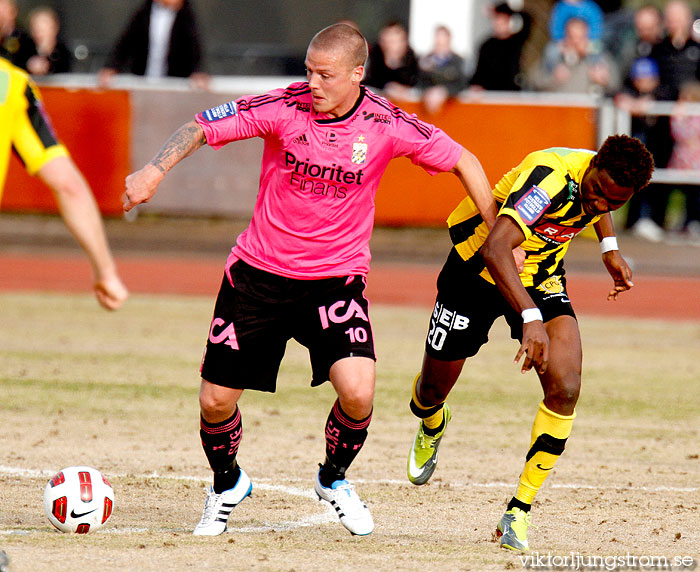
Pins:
x: 389, y: 283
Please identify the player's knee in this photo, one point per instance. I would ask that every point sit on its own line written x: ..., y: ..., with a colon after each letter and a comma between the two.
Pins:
x: 432, y: 395
x: 215, y: 406
x: 562, y: 396
x: 357, y: 403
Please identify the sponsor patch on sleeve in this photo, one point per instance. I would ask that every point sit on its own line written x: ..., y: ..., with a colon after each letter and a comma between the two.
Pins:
x: 220, y: 111
x: 532, y: 204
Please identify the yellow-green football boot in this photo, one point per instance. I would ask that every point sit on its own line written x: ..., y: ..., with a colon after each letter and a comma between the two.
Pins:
x: 512, y: 530
x: 423, y: 456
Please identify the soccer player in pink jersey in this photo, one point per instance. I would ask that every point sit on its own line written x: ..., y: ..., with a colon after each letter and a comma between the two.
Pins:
x: 299, y: 269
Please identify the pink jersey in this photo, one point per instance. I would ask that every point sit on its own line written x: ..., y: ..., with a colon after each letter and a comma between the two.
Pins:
x: 314, y: 212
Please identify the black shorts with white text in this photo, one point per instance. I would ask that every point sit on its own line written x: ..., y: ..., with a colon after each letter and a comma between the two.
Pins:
x: 467, y: 306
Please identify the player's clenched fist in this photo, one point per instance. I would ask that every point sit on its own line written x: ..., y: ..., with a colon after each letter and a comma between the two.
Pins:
x: 141, y: 186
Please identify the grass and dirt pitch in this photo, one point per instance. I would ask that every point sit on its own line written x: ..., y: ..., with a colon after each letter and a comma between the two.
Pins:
x: 119, y: 392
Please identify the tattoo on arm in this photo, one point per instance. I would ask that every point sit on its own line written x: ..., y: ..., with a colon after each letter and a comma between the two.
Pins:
x: 185, y: 141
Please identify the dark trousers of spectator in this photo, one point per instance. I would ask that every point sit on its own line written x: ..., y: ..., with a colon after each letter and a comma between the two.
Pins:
x: 649, y: 203
x: 692, y: 206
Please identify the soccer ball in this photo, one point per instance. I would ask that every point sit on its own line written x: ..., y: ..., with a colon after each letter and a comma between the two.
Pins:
x: 78, y: 499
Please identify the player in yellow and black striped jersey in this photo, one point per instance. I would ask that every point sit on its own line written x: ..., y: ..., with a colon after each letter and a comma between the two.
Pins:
x: 26, y: 130
x: 24, y: 126
x: 546, y: 182
x: 543, y: 203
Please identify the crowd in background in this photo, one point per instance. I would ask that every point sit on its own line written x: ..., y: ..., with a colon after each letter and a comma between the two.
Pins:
x: 634, y: 56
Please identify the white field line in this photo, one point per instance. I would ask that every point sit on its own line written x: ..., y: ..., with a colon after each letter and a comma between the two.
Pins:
x: 504, y: 485
x: 328, y: 514
x: 260, y: 483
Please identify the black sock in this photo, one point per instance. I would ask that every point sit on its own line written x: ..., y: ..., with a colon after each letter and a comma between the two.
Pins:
x: 227, y: 479
x: 329, y: 473
x: 515, y: 503
x: 220, y: 442
x: 344, y: 439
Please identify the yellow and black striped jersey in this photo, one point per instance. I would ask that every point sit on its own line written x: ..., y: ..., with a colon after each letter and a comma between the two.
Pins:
x: 24, y: 125
x: 542, y: 196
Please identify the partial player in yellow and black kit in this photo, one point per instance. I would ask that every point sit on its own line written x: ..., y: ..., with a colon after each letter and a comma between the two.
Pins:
x: 543, y: 203
x: 26, y: 130
x: 24, y: 125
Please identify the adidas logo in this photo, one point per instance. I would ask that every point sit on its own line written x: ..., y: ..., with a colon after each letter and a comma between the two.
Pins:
x: 301, y: 140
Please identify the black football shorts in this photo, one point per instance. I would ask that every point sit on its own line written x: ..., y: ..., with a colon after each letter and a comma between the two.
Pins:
x: 467, y: 306
x: 258, y: 312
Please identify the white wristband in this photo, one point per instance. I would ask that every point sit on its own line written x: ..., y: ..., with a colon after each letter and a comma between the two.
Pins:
x: 608, y: 243
x: 531, y: 314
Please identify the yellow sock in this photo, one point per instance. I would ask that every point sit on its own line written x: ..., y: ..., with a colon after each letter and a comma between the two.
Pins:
x: 432, y: 415
x: 435, y: 420
x: 549, y: 434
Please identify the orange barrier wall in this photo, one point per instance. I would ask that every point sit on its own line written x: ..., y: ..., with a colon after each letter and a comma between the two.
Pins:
x: 95, y: 126
x: 499, y: 135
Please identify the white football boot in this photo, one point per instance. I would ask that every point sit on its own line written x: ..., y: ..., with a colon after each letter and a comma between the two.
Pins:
x: 352, y: 511
x: 218, y: 507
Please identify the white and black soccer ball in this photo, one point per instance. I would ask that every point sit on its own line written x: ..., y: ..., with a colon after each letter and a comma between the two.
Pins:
x: 78, y: 499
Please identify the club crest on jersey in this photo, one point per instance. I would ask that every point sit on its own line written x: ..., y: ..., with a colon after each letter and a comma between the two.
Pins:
x: 220, y: 111
x: 359, y: 151
x: 532, y: 204
x: 552, y: 285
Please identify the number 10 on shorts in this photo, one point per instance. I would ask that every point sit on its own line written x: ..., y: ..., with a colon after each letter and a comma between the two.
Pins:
x: 357, y: 335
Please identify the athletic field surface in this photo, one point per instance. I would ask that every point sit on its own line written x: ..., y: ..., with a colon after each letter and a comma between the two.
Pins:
x: 118, y: 391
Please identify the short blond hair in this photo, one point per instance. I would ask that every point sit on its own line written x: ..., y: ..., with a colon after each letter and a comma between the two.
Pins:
x: 342, y: 37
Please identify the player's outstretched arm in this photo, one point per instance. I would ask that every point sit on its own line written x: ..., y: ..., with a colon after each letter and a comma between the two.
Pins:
x: 143, y: 184
x: 471, y: 174
x: 616, y: 265
x: 620, y: 271
x: 497, y: 253
x: 82, y: 217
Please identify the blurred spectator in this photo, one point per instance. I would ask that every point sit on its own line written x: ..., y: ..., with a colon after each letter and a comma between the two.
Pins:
x: 609, y: 6
x: 647, y: 209
x: 577, y: 67
x: 16, y: 45
x: 564, y: 10
x: 162, y: 39
x: 441, y: 72
x: 647, y: 33
x: 586, y: 10
x: 393, y: 67
x: 686, y: 152
x: 498, y: 62
x: 618, y: 27
x: 52, y: 54
x: 678, y: 54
